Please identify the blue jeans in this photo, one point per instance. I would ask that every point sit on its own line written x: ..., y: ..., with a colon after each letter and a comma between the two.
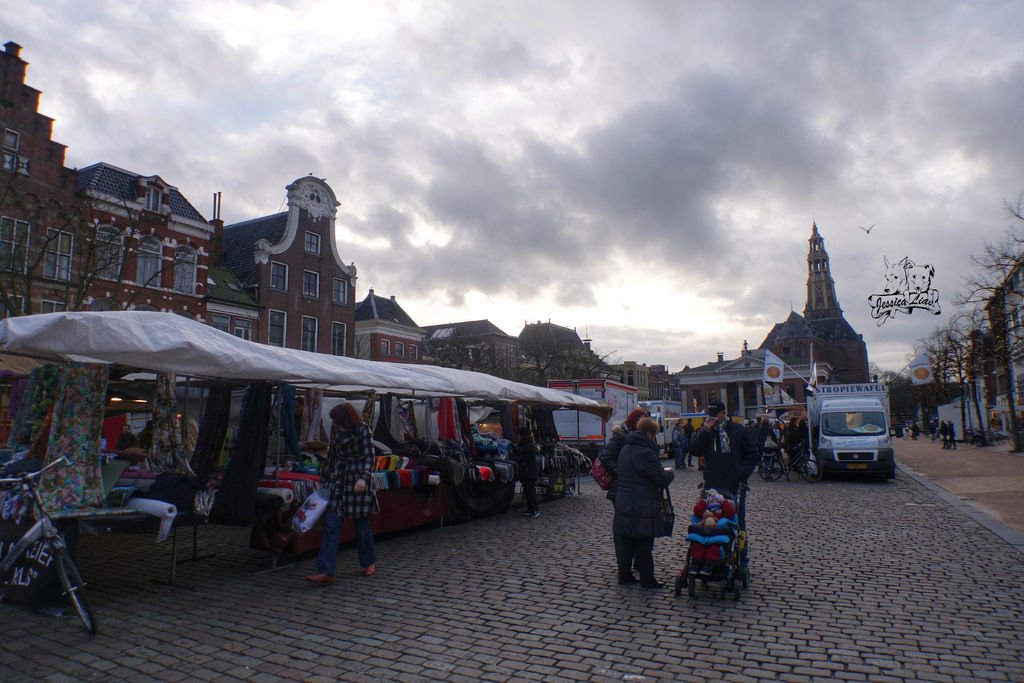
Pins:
x: 327, y: 558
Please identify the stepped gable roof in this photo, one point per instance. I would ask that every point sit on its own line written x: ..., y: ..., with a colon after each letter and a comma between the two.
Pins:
x: 468, y: 328
x: 222, y: 285
x: 374, y: 307
x: 240, y: 240
x: 103, y: 177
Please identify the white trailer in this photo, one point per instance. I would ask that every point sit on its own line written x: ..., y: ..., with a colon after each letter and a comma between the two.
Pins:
x: 584, y: 430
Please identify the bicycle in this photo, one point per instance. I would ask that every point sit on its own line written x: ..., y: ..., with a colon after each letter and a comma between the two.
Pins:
x: 803, y: 462
x: 44, y: 534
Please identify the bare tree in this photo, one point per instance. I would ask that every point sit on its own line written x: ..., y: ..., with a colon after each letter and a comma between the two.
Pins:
x: 998, y: 286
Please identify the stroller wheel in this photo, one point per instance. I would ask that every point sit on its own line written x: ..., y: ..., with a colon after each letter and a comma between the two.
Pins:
x: 691, y: 586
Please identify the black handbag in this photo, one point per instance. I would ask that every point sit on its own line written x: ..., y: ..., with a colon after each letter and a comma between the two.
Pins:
x: 667, y: 517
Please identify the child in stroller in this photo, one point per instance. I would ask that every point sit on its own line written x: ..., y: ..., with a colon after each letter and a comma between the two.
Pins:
x: 716, y: 545
x: 714, y: 518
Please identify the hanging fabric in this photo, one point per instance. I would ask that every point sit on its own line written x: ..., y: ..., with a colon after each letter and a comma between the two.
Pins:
x: 446, y: 425
x: 236, y: 501
x: 75, y: 433
x: 167, y: 452
x: 289, y: 430
x: 311, y: 408
x: 212, y: 430
x: 40, y: 393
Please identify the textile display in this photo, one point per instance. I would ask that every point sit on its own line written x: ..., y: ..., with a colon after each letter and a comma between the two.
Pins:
x: 236, y: 501
x: 163, y: 511
x: 382, y: 430
x: 75, y: 433
x: 446, y: 427
x: 167, y: 453
x: 212, y: 430
x: 311, y: 407
x: 39, y: 395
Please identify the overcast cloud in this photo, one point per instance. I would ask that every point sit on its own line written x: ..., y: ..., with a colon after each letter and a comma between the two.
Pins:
x: 645, y: 172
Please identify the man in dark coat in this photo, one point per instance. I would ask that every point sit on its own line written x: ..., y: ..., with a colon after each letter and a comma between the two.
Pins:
x: 729, y: 452
x: 638, y: 504
x: 526, y: 472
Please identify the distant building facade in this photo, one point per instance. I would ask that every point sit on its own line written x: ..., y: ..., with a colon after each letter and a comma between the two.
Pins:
x: 290, y: 266
x: 477, y: 345
x: 385, y: 332
x: 635, y: 375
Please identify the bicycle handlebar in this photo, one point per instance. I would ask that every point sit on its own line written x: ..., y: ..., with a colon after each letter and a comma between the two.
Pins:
x: 25, y: 477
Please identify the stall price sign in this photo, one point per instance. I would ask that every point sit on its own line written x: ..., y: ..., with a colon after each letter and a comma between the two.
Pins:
x: 34, y: 572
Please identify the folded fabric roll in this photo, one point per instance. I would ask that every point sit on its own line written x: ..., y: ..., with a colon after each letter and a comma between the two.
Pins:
x: 393, y: 481
x: 381, y: 480
x: 285, y: 494
x: 434, y: 479
x: 165, y: 512
x: 405, y: 478
x: 486, y: 473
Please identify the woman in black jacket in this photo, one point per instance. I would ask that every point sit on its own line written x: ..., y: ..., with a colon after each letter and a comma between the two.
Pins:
x: 526, y: 472
x: 640, y: 479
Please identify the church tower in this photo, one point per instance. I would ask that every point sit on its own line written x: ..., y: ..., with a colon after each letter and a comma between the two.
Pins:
x: 821, y: 289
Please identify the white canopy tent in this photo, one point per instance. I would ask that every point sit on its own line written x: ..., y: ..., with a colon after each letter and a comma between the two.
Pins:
x: 165, y: 342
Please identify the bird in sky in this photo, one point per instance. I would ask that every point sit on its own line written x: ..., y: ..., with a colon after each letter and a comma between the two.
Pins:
x: 867, y: 230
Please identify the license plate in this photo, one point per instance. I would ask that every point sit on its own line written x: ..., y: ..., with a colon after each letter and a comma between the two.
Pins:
x: 856, y: 466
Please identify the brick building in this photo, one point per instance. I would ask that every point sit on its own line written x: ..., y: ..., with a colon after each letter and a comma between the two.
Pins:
x: 290, y: 266
x: 385, y: 332
x: 477, y: 345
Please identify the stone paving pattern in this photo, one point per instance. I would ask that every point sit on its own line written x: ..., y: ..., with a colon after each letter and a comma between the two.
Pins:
x: 852, y: 581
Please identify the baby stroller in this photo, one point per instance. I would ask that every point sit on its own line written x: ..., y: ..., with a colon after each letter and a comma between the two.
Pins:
x: 727, y: 536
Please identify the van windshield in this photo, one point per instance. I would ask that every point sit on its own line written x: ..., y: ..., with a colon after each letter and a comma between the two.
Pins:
x: 853, y: 423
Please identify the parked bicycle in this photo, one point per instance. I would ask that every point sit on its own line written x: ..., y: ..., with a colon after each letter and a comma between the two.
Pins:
x: 43, y: 539
x: 775, y: 464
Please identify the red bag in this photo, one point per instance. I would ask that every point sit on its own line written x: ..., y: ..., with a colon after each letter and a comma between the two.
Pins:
x: 603, y: 477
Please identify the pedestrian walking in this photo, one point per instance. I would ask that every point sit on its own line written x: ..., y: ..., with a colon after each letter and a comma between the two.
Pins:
x: 346, y: 478
x: 638, y: 504
x: 688, y: 430
x: 944, y: 433
x: 526, y: 472
x: 680, y: 445
x: 951, y: 429
x: 610, y: 460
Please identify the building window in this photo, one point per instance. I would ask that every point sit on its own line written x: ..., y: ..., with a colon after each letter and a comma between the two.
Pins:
x: 399, y: 350
x: 278, y: 276
x: 243, y: 329
x: 46, y: 306
x: 11, y: 139
x: 312, y: 243
x: 185, y: 270
x: 309, y: 334
x: 412, y: 352
x: 275, y: 328
x: 14, y: 236
x: 109, y: 253
x: 154, y: 199
x: 385, y: 347
x: 147, y: 266
x: 311, y: 284
x: 339, y: 291
x: 221, y: 322
x: 339, y: 336
x: 57, y: 260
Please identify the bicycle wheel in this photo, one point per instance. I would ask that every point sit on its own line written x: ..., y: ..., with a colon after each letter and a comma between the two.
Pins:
x: 74, y: 588
x: 774, y: 470
x: 810, y: 470
x: 764, y: 466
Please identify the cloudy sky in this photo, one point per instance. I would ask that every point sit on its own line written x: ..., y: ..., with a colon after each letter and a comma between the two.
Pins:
x: 646, y: 172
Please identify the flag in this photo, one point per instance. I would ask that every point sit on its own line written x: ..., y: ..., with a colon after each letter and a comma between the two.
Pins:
x: 772, y: 367
x: 813, y: 384
x: 920, y: 370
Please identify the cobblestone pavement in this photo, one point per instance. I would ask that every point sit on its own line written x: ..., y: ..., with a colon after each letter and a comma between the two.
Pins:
x: 852, y: 580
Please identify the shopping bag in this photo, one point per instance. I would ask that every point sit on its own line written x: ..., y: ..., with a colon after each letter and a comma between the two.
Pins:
x: 603, y: 477
x: 309, y: 512
x: 667, y: 518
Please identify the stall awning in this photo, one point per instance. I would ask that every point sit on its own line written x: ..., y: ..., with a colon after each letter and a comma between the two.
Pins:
x: 165, y: 342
